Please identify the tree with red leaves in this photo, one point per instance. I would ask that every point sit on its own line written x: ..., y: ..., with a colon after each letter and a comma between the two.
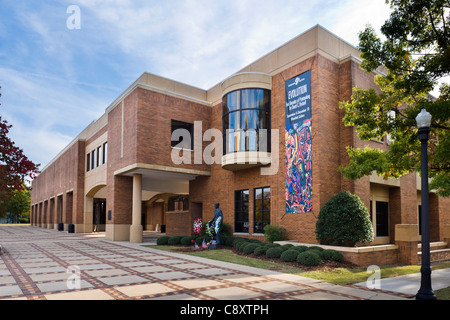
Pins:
x: 14, y: 164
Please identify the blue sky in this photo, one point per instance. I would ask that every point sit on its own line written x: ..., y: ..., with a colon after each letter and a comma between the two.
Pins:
x: 55, y: 81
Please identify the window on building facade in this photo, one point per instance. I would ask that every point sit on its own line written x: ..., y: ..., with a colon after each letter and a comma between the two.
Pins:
x: 241, y: 211
x: 382, y: 216
x: 105, y: 152
x: 246, y: 120
x: 178, y: 203
x: 182, y: 135
x: 88, y: 162
x: 98, y: 155
x: 93, y: 159
x: 261, y: 209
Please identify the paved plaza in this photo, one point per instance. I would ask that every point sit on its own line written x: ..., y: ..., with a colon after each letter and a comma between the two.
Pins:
x: 43, y: 264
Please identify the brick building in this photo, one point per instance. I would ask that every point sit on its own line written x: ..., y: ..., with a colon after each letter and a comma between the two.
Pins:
x: 266, y: 143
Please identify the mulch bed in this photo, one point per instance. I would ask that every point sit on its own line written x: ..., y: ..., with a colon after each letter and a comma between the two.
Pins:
x: 324, y: 266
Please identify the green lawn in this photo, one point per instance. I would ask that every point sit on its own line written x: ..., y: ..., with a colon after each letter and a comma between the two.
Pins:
x: 340, y: 276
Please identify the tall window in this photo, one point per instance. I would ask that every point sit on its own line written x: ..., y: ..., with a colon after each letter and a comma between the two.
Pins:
x: 105, y: 152
x: 88, y: 162
x: 98, y: 155
x: 261, y: 209
x: 241, y: 211
x: 382, y: 216
x: 93, y: 159
x: 246, y: 120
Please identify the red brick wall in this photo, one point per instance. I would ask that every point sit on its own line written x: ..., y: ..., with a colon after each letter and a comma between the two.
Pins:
x: 64, y: 174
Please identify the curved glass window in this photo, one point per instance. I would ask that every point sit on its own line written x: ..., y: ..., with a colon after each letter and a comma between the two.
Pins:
x: 246, y: 120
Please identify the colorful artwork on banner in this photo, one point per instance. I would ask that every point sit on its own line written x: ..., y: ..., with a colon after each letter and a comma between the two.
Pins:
x: 298, y: 144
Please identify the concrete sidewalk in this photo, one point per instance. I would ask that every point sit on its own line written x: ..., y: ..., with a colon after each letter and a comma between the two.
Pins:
x: 42, y: 264
x: 410, y: 284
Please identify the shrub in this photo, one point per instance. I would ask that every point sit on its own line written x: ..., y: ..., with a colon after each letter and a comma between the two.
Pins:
x: 228, y: 241
x: 250, y: 248
x: 308, y: 258
x: 332, y: 255
x: 238, y: 241
x: 286, y: 246
x: 274, y: 233
x: 243, y: 245
x: 174, y: 240
x: 316, y: 248
x: 225, y: 229
x: 199, y: 240
x: 260, y: 250
x: 274, y: 253
x: 289, y: 255
x: 301, y: 248
x: 318, y: 252
x: 186, y: 240
x: 344, y: 220
x: 162, y: 240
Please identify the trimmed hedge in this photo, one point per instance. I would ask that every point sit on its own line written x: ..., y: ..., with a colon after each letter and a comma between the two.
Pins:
x: 301, y: 248
x: 332, y: 255
x: 174, y: 240
x: 309, y: 258
x: 289, y: 255
x: 285, y: 247
x: 274, y: 253
x: 260, y: 250
x: 250, y: 248
x: 162, y: 240
x: 186, y: 241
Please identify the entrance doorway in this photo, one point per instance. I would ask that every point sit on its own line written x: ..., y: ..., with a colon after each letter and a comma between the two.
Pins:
x: 99, y: 215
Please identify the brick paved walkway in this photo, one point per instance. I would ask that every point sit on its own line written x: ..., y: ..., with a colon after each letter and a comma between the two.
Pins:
x: 42, y: 264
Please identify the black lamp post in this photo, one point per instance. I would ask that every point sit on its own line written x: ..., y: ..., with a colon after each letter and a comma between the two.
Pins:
x: 425, y: 292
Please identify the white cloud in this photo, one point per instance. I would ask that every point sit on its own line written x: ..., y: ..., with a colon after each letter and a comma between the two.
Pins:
x: 46, y: 113
x: 57, y: 81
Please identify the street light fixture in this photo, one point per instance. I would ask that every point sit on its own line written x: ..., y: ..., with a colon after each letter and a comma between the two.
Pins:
x: 425, y: 292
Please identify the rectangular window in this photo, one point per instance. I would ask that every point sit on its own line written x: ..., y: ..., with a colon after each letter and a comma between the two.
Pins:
x: 93, y: 159
x: 88, y: 162
x: 98, y: 156
x: 382, y: 216
x: 241, y: 211
x: 182, y: 135
x: 261, y: 209
x: 105, y: 152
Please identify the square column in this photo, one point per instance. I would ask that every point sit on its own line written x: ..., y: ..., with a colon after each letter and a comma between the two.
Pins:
x: 136, y: 228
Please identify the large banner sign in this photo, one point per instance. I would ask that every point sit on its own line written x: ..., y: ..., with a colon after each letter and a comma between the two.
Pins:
x: 298, y: 144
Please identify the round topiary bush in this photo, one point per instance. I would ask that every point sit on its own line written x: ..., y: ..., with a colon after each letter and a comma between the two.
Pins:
x: 332, y: 255
x: 186, y: 241
x: 274, y: 253
x: 260, y: 250
x: 238, y: 241
x: 228, y: 241
x: 242, y: 246
x: 301, y: 248
x: 308, y: 258
x: 174, y: 240
x: 344, y: 220
x: 318, y: 252
x: 289, y: 255
x: 285, y: 247
x: 162, y: 240
x: 316, y: 248
x: 250, y: 248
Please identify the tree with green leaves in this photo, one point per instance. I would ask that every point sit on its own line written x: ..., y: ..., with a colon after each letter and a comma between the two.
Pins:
x: 18, y: 202
x: 416, y: 55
